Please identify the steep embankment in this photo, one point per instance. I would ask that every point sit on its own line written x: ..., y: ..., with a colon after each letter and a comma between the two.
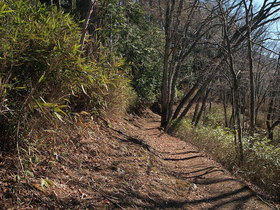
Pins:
x: 125, y: 164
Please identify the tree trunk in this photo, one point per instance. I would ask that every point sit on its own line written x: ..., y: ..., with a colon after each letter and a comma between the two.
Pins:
x: 249, y: 13
x: 236, y: 96
x: 232, y: 117
x: 165, y: 94
x: 225, y: 108
x: 202, y: 107
x: 238, y: 121
x: 270, y: 133
x: 269, y: 124
x: 85, y: 26
x: 196, y: 111
x: 73, y: 5
x: 59, y: 4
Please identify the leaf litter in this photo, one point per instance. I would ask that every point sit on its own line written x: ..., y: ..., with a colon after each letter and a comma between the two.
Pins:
x: 118, y: 163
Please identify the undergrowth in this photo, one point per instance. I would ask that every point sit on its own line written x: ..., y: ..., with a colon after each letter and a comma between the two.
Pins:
x: 43, y: 74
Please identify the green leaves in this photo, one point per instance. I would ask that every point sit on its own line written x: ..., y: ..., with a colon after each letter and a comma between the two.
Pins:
x: 42, y: 77
x: 42, y: 69
x: 46, y: 183
x: 37, y: 46
x: 129, y: 33
x: 27, y: 172
x: 5, y: 9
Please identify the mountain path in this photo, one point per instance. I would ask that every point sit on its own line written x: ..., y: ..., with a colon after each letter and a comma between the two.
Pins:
x: 213, y: 187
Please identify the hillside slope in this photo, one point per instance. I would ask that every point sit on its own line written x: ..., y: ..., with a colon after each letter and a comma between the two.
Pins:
x: 125, y: 163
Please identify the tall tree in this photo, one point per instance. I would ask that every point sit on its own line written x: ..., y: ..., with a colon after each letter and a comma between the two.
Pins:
x: 248, y: 17
x: 178, y: 17
x: 178, y: 26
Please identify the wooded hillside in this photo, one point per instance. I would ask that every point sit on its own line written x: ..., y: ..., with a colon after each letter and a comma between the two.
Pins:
x: 209, y: 68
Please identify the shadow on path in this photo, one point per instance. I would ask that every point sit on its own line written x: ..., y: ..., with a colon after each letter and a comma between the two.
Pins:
x: 187, y: 158
x: 215, y: 189
x: 223, y: 200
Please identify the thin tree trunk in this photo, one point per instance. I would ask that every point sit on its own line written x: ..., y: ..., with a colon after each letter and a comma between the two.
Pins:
x: 210, y: 106
x: 196, y: 110
x: 238, y: 121
x: 59, y: 4
x: 249, y: 12
x: 262, y: 101
x: 225, y: 108
x: 202, y: 107
x: 165, y: 90
x: 236, y: 96
x: 85, y: 26
x: 232, y: 117
x: 269, y: 123
x: 193, y: 100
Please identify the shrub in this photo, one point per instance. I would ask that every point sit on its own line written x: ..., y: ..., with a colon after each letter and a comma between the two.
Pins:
x: 37, y: 53
x: 41, y: 71
x: 104, y: 87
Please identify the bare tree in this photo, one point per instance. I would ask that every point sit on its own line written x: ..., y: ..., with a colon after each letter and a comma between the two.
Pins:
x: 175, y: 52
x: 248, y: 17
x: 178, y: 46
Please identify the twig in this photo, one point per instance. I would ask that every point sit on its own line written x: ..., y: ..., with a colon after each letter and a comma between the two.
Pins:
x: 270, y: 205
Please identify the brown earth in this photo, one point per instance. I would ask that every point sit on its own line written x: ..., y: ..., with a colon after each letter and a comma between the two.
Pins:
x: 213, y: 187
x: 126, y: 164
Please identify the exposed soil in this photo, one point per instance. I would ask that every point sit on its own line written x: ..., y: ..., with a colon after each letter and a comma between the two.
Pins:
x: 213, y: 186
x: 126, y: 164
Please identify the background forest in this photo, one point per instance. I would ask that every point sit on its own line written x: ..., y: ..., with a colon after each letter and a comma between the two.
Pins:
x: 210, y: 68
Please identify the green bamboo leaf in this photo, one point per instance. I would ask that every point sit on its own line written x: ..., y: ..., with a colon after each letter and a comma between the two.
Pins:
x: 59, y: 116
x: 46, y: 183
x: 39, y: 105
x: 42, y: 77
x: 20, y: 88
x: 36, y: 159
x: 49, y: 182
x: 90, y: 79
x: 63, y: 106
x: 29, y: 173
x: 7, y: 11
x: 67, y: 100
x: 59, y: 110
x: 3, y: 7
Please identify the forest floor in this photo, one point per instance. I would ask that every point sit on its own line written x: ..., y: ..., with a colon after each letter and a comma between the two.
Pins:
x: 127, y: 164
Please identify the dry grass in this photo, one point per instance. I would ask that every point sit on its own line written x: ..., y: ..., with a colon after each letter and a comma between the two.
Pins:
x: 261, y: 162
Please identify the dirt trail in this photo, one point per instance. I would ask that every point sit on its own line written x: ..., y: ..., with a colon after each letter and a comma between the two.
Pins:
x: 213, y: 188
x: 123, y: 164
